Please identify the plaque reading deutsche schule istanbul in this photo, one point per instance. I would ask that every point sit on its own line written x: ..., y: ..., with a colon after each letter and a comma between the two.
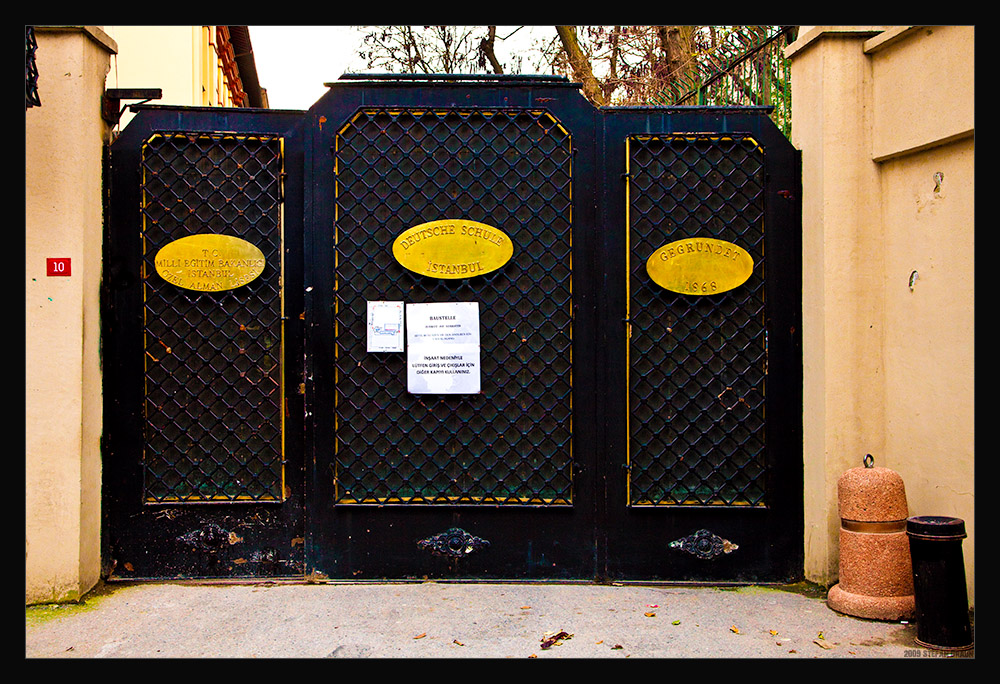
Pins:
x: 452, y: 249
x: 442, y: 348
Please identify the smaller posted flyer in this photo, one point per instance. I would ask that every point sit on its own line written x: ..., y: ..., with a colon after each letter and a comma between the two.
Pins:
x: 385, y: 326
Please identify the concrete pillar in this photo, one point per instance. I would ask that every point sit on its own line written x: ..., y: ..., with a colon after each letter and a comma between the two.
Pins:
x: 64, y: 141
x: 841, y: 275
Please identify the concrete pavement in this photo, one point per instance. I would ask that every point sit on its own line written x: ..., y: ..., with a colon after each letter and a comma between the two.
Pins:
x: 459, y: 620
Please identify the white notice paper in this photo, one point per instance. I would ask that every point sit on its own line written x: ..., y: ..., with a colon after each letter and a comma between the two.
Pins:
x: 385, y: 326
x: 442, y: 348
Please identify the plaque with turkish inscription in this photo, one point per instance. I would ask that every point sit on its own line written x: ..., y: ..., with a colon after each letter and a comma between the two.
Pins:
x: 452, y: 249
x: 209, y: 262
x: 700, y: 266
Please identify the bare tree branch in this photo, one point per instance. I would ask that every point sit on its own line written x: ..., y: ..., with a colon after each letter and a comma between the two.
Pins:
x: 580, y: 64
x: 614, y: 64
x: 487, y: 51
x: 434, y: 49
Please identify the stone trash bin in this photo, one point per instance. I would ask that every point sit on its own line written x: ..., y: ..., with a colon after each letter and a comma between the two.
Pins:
x: 876, y: 578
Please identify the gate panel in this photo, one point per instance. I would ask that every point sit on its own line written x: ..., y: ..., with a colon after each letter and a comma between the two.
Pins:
x: 697, y: 363
x: 511, y: 443
x: 213, y: 363
x: 707, y: 422
x: 202, y: 440
x: 492, y: 484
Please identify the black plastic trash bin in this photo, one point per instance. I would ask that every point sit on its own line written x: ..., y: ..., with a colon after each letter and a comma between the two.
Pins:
x: 940, y: 595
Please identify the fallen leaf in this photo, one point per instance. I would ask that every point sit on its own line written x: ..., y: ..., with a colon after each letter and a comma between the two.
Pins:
x: 600, y: 642
x: 457, y: 642
x: 555, y: 640
x: 617, y: 647
x: 650, y: 614
x: 820, y: 636
x: 774, y: 632
x: 421, y: 635
x: 676, y: 622
x: 734, y: 629
x: 652, y: 605
x: 525, y: 607
x: 819, y: 643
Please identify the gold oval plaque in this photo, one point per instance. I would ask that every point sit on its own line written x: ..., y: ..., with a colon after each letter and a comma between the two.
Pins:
x: 700, y: 266
x: 209, y: 262
x: 452, y: 248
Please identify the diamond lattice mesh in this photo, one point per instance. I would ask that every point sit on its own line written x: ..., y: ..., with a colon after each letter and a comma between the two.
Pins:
x: 510, y: 444
x: 213, y: 382
x: 697, y: 364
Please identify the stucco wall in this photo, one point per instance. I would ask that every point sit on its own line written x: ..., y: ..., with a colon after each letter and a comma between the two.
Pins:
x: 63, y: 219
x: 925, y: 147
x: 878, y: 111
x: 162, y: 57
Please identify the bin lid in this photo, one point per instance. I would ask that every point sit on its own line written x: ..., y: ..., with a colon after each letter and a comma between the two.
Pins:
x: 936, y: 526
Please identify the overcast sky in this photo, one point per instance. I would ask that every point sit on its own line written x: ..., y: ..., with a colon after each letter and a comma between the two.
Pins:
x: 293, y: 62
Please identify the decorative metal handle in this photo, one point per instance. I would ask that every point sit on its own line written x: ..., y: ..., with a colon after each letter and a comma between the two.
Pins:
x: 704, y: 544
x: 453, y: 543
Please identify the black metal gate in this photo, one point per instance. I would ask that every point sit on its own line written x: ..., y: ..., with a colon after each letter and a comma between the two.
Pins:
x: 615, y: 428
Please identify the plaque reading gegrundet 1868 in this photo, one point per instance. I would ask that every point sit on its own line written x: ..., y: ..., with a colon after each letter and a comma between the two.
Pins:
x: 700, y: 266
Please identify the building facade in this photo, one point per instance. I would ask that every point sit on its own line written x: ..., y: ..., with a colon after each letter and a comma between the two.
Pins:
x: 883, y: 117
